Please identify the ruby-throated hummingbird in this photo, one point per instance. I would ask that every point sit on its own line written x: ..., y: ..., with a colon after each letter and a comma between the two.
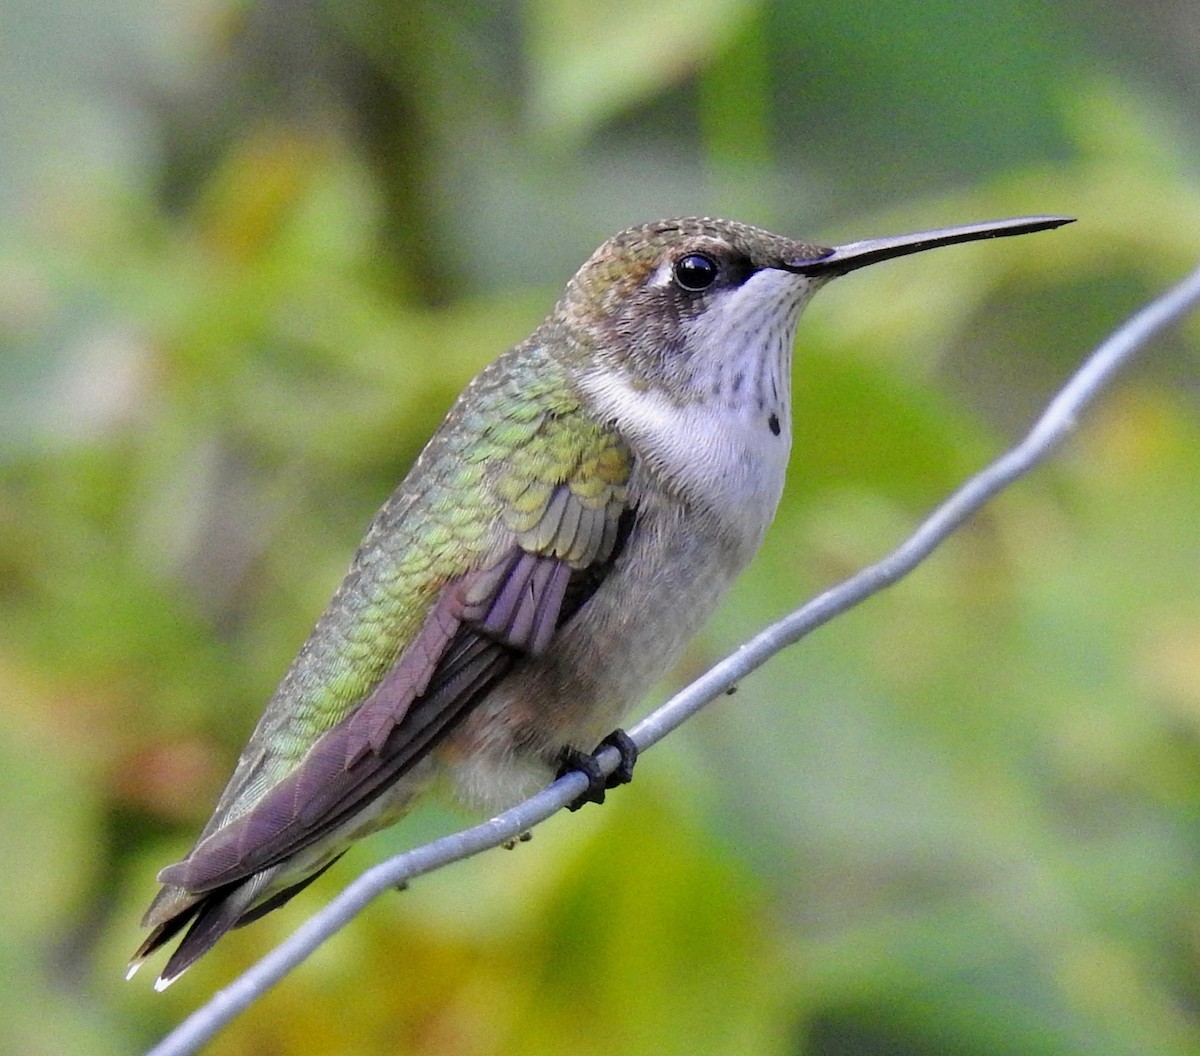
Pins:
x: 588, y: 500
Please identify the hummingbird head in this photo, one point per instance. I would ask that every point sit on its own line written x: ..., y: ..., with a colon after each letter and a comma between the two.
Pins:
x: 706, y: 309
x: 694, y: 308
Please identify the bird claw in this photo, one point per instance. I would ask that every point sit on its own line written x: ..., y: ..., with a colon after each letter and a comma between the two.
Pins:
x: 573, y: 759
x: 628, y: 751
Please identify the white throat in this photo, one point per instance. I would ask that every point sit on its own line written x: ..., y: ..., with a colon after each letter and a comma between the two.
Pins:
x: 724, y: 443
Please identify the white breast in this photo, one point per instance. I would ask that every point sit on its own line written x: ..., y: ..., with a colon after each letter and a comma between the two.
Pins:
x: 723, y: 441
x: 727, y: 459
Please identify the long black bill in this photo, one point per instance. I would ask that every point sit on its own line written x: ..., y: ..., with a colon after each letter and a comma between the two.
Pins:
x: 842, y: 259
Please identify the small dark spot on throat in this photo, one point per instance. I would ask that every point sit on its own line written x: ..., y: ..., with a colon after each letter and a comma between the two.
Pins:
x: 773, y: 423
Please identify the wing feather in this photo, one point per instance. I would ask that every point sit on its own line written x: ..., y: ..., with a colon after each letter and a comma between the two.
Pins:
x: 564, y: 515
x: 468, y: 640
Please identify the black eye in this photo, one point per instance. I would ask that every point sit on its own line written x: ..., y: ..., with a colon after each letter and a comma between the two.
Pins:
x: 695, y: 272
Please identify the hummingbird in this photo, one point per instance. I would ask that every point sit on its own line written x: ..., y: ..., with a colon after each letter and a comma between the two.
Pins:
x: 586, y: 503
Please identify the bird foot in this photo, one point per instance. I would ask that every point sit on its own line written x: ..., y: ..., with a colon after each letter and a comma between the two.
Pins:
x: 598, y: 783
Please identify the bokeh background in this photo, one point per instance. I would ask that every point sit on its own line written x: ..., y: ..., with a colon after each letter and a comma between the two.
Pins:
x: 249, y: 253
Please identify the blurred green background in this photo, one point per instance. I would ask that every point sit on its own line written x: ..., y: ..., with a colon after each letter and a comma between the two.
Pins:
x: 249, y: 253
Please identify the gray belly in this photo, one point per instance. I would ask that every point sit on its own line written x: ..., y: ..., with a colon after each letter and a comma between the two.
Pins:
x: 673, y: 573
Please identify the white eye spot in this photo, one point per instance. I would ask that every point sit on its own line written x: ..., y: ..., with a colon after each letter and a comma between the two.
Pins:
x: 663, y: 275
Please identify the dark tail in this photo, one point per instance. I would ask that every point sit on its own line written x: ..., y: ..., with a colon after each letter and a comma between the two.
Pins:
x: 209, y: 916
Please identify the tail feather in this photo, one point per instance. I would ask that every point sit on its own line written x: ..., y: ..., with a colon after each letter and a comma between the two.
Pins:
x: 159, y: 936
x: 210, y: 918
x: 268, y: 905
x: 207, y: 917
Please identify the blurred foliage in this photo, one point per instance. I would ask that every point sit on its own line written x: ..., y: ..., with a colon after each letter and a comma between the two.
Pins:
x: 254, y: 251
